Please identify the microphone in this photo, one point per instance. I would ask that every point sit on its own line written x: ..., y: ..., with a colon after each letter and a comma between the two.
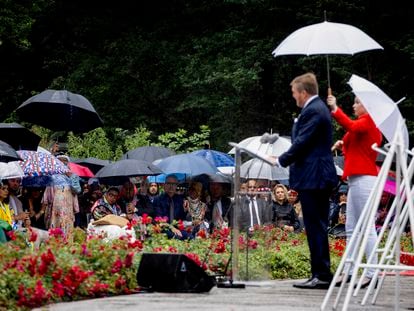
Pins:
x: 269, y: 138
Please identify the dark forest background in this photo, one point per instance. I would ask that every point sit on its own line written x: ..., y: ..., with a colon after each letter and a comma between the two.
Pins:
x: 174, y: 64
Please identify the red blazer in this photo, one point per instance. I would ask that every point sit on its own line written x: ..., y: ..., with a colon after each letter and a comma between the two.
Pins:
x: 360, y: 135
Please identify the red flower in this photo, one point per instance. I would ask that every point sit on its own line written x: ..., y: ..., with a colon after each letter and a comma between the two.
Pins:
x: 220, y: 247
x: 157, y: 249
x: 129, y: 260
x: 136, y: 244
x: 120, y: 282
x: 32, y: 265
x: 11, y: 234
x: 180, y: 225
x: 146, y: 220
x: 56, y: 232
x: 99, y: 289
x: 58, y: 289
x: 117, y: 266
x: 202, y: 234
x: 253, y: 244
x: 172, y: 249
x: 57, y: 274
x: 33, y: 235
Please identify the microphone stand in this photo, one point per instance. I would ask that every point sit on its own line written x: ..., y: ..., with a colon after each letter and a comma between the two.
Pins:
x: 234, y: 254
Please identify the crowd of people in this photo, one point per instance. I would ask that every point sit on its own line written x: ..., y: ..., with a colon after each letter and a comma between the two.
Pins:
x: 315, y: 198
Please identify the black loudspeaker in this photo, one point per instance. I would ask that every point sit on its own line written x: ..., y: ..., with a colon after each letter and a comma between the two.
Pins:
x: 172, y: 273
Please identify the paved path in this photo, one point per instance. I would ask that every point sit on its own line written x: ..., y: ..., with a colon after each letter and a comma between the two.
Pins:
x: 266, y: 295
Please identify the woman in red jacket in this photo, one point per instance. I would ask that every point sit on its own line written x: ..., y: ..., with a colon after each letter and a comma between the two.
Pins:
x: 359, y: 169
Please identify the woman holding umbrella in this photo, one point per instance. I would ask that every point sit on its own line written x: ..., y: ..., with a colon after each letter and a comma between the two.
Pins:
x: 359, y: 169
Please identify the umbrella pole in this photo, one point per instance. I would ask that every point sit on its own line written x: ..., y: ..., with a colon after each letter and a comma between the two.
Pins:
x: 328, y: 75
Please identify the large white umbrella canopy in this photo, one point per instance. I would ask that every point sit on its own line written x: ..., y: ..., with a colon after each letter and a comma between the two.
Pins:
x: 255, y: 143
x: 326, y: 38
x: 382, y: 109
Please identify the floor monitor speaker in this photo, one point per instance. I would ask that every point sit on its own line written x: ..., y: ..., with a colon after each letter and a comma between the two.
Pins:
x: 172, y: 273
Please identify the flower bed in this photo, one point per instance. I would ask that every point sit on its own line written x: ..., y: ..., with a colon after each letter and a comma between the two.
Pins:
x: 87, y: 267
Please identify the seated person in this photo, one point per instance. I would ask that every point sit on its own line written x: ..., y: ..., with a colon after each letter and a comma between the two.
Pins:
x: 195, y: 208
x: 284, y: 215
x: 294, y: 201
x: 107, y: 204
x: 254, y: 210
x: 218, y: 207
x: 6, y: 214
x: 32, y: 203
x: 171, y: 205
x: 144, y: 203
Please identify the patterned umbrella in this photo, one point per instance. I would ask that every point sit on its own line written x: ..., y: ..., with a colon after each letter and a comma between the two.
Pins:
x: 36, y: 164
x: 217, y: 158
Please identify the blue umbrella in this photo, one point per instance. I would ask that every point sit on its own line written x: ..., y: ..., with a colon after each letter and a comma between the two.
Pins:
x: 217, y: 158
x: 161, y: 178
x: 186, y: 163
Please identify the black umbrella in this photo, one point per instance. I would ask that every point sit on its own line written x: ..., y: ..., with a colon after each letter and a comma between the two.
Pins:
x: 94, y: 164
x: 148, y: 153
x: 129, y: 168
x: 7, y: 153
x: 19, y: 137
x: 60, y: 111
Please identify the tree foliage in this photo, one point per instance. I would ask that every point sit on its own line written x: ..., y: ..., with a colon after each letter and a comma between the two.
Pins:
x: 171, y: 66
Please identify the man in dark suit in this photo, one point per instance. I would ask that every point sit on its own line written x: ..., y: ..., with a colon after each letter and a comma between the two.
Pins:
x: 254, y: 210
x: 312, y: 173
x: 218, y: 208
x: 170, y: 204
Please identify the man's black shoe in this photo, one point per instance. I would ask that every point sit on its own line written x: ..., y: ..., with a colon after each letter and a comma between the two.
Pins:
x: 313, y: 283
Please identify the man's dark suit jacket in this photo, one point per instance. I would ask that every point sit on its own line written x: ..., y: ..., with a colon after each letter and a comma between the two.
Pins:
x: 309, y: 156
x: 264, y: 208
x: 225, y: 209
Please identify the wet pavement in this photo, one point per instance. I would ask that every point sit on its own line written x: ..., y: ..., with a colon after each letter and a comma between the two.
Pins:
x: 263, y: 295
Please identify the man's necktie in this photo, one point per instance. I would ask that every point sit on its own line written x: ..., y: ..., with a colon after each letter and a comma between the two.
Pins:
x: 254, y: 213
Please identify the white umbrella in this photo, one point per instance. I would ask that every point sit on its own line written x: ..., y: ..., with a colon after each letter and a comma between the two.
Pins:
x: 258, y: 169
x: 382, y: 109
x: 326, y: 38
x: 255, y: 143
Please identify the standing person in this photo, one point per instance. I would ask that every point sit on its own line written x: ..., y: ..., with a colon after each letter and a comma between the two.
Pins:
x: 61, y: 199
x: 312, y: 173
x: 359, y: 168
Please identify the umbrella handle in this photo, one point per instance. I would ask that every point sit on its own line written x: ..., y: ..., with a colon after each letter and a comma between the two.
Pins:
x: 329, y: 91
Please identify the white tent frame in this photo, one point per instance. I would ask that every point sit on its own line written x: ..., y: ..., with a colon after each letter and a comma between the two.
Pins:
x: 389, y: 256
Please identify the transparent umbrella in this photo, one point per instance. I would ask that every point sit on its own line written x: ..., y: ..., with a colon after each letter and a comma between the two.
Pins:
x: 274, y: 147
x: 258, y: 169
